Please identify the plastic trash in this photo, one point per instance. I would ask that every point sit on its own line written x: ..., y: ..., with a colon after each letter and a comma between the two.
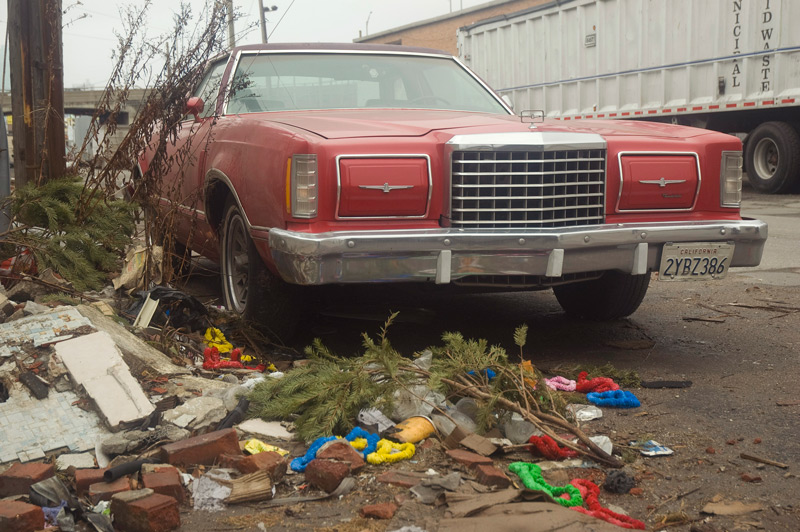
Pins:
x: 468, y: 406
x: 255, y: 446
x: 374, y: 418
x: 584, y: 412
x: 604, y: 442
x: 413, y: 429
x: 416, y: 400
x: 445, y: 425
x: 518, y: 430
x: 653, y: 448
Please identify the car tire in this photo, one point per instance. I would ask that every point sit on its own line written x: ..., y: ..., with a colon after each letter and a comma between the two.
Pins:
x: 248, y: 287
x: 772, y: 158
x: 612, y: 296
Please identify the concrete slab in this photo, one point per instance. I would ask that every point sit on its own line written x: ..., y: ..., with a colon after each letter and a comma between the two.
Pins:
x: 139, y: 356
x: 265, y: 429
x: 95, y: 362
x: 78, y: 461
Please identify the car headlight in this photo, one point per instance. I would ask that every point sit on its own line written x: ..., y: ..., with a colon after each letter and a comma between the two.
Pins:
x: 730, y: 179
x: 303, y: 185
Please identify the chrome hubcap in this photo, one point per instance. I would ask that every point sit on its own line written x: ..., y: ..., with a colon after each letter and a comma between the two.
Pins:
x: 765, y: 158
x: 236, y: 263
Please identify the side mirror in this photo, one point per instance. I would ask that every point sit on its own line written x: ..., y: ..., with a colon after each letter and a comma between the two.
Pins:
x: 194, y: 106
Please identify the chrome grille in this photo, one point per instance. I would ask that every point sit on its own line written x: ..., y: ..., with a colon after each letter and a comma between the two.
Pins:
x: 528, y: 189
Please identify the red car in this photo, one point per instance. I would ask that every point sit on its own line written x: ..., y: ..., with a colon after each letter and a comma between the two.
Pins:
x: 336, y: 164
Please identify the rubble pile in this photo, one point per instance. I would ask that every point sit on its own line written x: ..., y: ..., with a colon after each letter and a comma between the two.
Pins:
x: 103, y: 432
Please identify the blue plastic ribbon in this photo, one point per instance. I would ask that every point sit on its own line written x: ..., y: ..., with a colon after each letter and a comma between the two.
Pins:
x: 372, y: 440
x: 614, y: 399
x: 300, y: 463
x: 490, y: 374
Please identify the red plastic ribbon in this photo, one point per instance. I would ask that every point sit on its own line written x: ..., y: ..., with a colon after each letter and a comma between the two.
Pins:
x: 547, y: 447
x: 591, y: 493
x: 598, y: 384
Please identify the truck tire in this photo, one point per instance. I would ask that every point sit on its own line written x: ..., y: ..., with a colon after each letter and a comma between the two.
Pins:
x: 614, y: 295
x: 248, y: 287
x: 772, y: 158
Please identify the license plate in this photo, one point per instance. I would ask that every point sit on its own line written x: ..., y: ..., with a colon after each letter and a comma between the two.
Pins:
x: 694, y: 261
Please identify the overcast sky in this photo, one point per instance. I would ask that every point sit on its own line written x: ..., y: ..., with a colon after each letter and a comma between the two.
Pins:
x: 89, y: 38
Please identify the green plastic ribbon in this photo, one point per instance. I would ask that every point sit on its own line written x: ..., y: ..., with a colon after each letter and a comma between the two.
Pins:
x: 531, y: 477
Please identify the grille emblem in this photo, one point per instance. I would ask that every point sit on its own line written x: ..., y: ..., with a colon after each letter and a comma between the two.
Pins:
x: 662, y: 182
x: 386, y: 188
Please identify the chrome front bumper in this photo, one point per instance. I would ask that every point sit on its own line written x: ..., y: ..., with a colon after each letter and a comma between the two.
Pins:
x: 445, y: 255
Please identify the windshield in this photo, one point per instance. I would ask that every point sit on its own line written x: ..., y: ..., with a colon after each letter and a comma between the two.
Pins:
x: 277, y: 82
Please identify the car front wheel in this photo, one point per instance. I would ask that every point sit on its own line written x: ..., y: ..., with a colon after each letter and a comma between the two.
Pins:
x: 248, y: 287
x: 614, y: 295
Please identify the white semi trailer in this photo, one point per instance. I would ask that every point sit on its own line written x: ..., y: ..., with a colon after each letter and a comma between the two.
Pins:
x: 727, y: 65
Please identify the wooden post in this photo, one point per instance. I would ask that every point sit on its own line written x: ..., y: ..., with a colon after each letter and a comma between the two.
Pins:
x: 37, y: 90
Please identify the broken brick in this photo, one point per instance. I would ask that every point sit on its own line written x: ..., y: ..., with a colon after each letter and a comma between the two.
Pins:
x: 165, y: 482
x: 468, y: 459
x: 103, y: 491
x: 19, y: 478
x: 384, y: 510
x: 750, y: 478
x: 342, y: 451
x: 404, y: 479
x: 326, y: 474
x: 154, y: 513
x: 205, y: 449
x: 17, y: 516
x: 636, y: 491
x: 86, y: 477
x: 489, y: 475
x: 271, y: 462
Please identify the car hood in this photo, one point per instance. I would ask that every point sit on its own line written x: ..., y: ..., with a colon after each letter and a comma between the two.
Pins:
x: 360, y: 123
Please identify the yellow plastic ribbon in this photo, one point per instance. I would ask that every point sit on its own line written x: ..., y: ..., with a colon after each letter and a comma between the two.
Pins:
x: 215, y: 338
x: 254, y: 446
x: 389, y: 452
x: 359, y: 444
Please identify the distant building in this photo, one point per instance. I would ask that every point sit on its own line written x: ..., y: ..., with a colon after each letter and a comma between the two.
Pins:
x: 440, y: 32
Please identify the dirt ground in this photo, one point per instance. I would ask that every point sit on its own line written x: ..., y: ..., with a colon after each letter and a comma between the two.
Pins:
x: 743, y: 370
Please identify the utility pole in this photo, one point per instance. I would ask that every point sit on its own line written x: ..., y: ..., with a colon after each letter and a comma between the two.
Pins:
x: 37, y: 89
x: 231, y: 32
x: 262, y: 11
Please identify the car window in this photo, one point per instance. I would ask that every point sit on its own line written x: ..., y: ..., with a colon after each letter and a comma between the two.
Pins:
x: 208, y: 89
x: 289, y: 81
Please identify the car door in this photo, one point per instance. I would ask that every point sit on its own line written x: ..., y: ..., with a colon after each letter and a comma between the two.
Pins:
x: 188, y: 166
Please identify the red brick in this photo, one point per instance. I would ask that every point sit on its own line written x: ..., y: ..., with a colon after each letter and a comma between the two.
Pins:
x: 231, y: 461
x: 165, y: 483
x: 271, y: 462
x: 154, y: 513
x: 489, y: 475
x: 403, y: 479
x: 86, y: 477
x: 18, y: 479
x: 468, y: 459
x: 384, y: 510
x: 102, y: 491
x: 342, y: 451
x: 17, y: 516
x: 205, y: 449
x: 326, y: 474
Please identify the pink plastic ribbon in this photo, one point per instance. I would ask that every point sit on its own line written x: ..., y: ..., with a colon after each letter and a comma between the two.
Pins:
x: 560, y: 383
